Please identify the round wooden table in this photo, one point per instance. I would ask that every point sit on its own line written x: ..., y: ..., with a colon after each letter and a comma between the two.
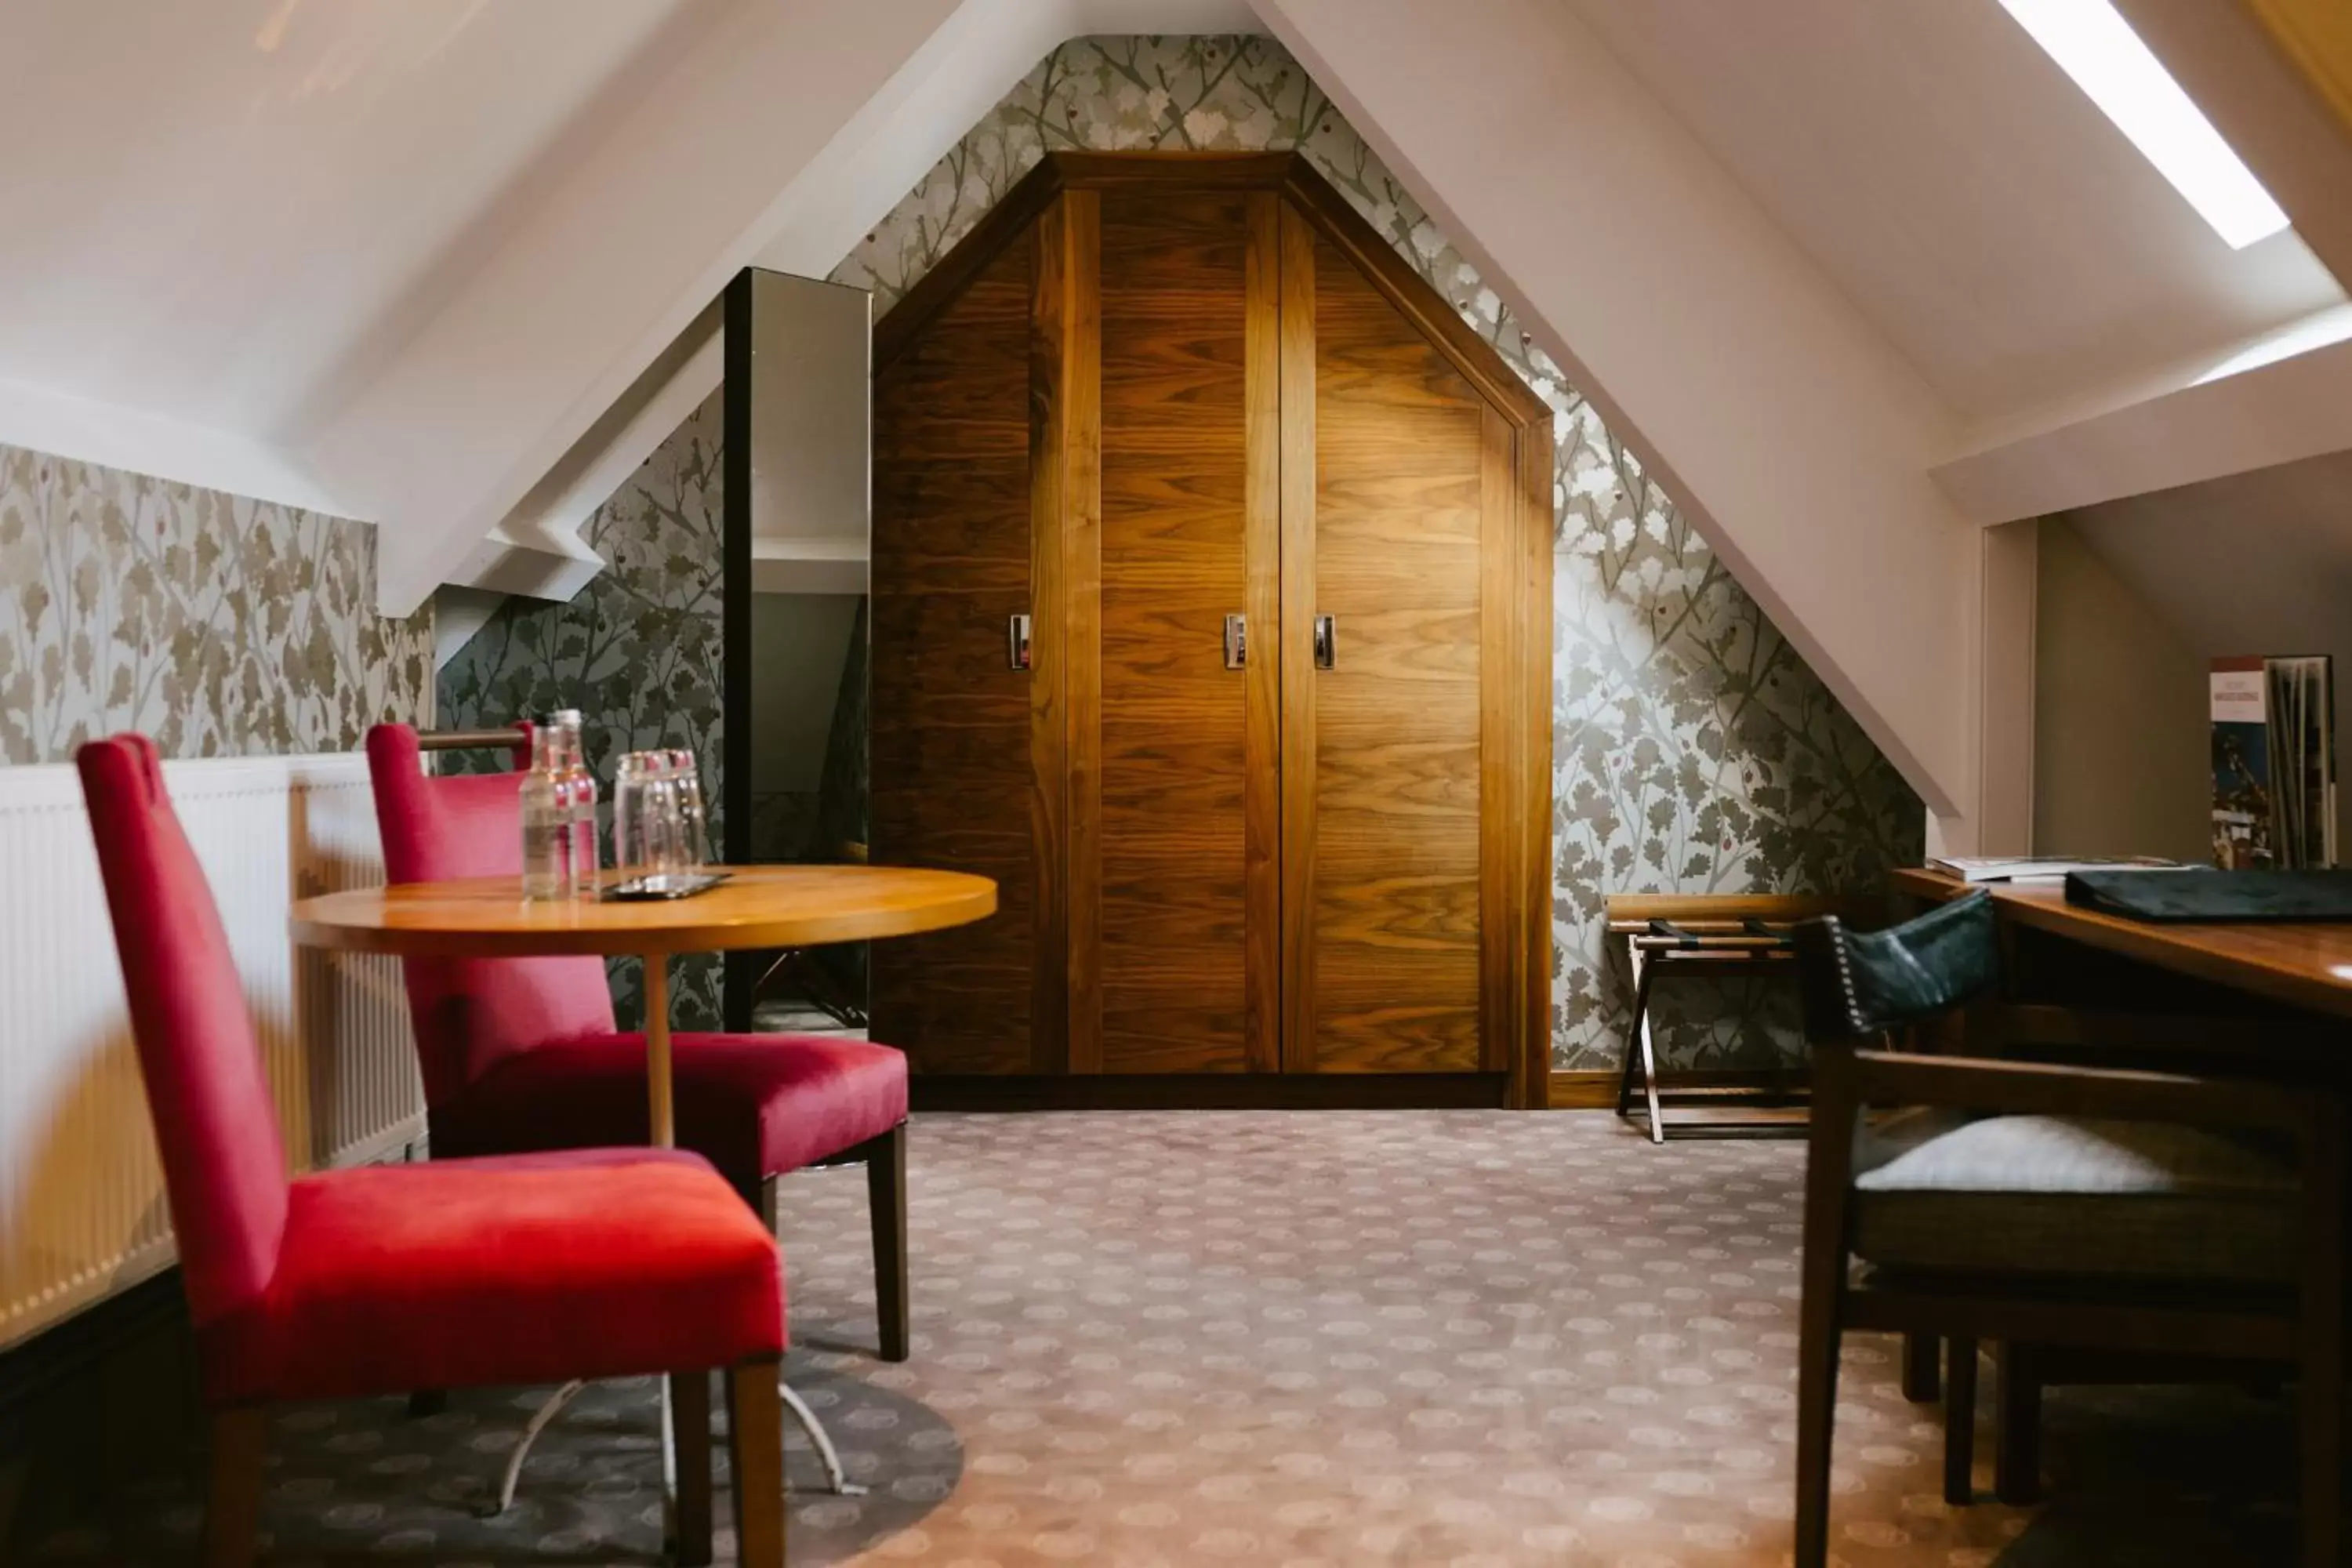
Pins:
x: 757, y: 906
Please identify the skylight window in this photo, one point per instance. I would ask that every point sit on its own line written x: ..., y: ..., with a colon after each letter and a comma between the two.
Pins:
x: 2094, y: 44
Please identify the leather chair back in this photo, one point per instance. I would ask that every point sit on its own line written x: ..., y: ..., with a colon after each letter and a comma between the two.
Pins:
x: 1859, y: 984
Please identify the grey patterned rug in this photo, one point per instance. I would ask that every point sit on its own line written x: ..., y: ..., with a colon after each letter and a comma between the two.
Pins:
x: 1299, y: 1339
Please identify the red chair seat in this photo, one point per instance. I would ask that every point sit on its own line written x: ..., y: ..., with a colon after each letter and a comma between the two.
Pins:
x: 751, y: 1104
x: 532, y: 1268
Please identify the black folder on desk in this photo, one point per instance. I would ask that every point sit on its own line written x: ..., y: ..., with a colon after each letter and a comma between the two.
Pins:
x: 2200, y: 894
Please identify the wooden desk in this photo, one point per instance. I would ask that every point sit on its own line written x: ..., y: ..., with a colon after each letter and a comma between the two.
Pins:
x: 2308, y: 967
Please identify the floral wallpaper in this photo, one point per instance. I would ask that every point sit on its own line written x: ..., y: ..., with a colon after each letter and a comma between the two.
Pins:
x: 218, y: 624
x: 636, y: 651
x: 1693, y: 750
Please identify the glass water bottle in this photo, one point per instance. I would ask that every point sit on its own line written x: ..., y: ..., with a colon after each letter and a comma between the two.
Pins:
x: 546, y: 820
x: 580, y: 805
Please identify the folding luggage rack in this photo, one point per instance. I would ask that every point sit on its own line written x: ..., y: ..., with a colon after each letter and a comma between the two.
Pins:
x: 1717, y: 937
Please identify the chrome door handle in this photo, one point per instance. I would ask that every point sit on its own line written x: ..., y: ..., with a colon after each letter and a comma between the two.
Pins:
x: 1016, y: 641
x: 1327, y: 642
x: 1236, y: 642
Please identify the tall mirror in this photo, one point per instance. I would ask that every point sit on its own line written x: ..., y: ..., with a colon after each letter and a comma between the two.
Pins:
x: 796, y: 443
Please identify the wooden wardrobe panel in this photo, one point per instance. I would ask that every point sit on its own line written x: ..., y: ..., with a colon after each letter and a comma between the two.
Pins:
x: 1401, y: 481
x: 1149, y: 394
x: 951, y: 767
x: 1064, y: 693
x: 1176, y: 539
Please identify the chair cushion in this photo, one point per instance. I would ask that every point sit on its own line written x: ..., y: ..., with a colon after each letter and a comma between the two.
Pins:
x: 534, y: 1268
x: 2076, y: 1196
x: 754, y: 1105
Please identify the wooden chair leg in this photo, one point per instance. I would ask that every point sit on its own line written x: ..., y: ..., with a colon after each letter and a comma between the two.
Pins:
x: 1829, y: 1165
x: 2320, y: 1313
x: 690, y: 1410
x: 2017, y: 1399
x: 2322, y: 1401
x: 233, y: 1489
x: 1960, y: 1424
x: 1817, y: 1373
x: 766, y: 1202
x: 427, y: 1402
x: 885, y: 1191
x: 1922, y: 1377
x: 755, y: 1442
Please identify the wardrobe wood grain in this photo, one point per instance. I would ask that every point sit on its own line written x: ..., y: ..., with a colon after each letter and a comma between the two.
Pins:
x: 1404, y: 493
x: 1241, y: 400
x: 1065, y: 502
x: 1174, y: 722
x: 1298, y: 675
x: 953, y: 775
x: 1261, y: 510
x: 1528, y: 1037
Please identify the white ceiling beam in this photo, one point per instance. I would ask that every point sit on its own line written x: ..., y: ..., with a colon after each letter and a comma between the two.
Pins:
x: 537, y: 548
x: 658, y: 208
x: 2188, y: 428
x: 1790, y: 430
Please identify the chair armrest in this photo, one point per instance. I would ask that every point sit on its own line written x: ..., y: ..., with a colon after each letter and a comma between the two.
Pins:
x: 2173, y: 1033
x: 1887, y: 1078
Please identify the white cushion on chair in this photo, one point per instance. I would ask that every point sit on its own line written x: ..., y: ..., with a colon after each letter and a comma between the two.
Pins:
x: 2075, y: 1195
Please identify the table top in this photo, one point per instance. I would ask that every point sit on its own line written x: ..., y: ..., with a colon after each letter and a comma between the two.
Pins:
x: 2306, y: 964
x: 757, y: 906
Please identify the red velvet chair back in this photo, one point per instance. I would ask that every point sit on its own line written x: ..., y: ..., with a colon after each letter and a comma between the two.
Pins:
x: 223, y: 1161
x: 468, y: 1013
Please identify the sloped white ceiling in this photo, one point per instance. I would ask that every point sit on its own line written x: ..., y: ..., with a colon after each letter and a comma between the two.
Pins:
x: 2256, y: 563
x: 438, y: 264
x: 1966, y: 195
x: 219, y: 211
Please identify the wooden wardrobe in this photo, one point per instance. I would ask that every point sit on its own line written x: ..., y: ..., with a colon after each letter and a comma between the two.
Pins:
x: 1212, y: 617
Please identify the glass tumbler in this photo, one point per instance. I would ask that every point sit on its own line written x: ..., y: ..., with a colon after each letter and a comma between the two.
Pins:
x: 643, y: 799
x: 694, y: 829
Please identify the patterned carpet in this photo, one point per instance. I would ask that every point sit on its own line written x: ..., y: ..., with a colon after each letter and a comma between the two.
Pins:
x: 1303, y: 1339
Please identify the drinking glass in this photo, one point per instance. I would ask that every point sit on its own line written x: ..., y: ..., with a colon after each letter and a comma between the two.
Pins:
x: 640, y: 800
x: 694, y: 835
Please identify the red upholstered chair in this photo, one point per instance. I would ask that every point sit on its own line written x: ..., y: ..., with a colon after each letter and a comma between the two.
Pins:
x: 521, y: 1054
x: 593, y: 1263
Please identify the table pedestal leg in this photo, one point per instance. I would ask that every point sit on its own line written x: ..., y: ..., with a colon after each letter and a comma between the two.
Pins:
x: 664, y: 1118
x: 537, y: 1423
x: 665, y: 1135
x: 836, y: 1478
x: 658, y: 1083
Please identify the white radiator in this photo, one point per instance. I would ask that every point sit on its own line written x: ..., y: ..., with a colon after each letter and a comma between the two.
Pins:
x: 82, y: 1211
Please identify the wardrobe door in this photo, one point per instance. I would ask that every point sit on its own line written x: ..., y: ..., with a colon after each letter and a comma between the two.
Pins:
x: 1410, y: 470
x: 952, y: 772
x: 1174, y: 814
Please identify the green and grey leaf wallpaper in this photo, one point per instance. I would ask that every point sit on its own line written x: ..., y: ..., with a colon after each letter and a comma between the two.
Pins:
x: 219, y: 624
x: 1693, y: 750
x: 636, y: 651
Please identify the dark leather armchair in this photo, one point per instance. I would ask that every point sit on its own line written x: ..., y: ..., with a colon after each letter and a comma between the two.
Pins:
x: 2047, y: 1205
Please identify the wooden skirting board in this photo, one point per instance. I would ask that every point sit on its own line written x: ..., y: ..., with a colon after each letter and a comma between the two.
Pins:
x: 1209, y: 1091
